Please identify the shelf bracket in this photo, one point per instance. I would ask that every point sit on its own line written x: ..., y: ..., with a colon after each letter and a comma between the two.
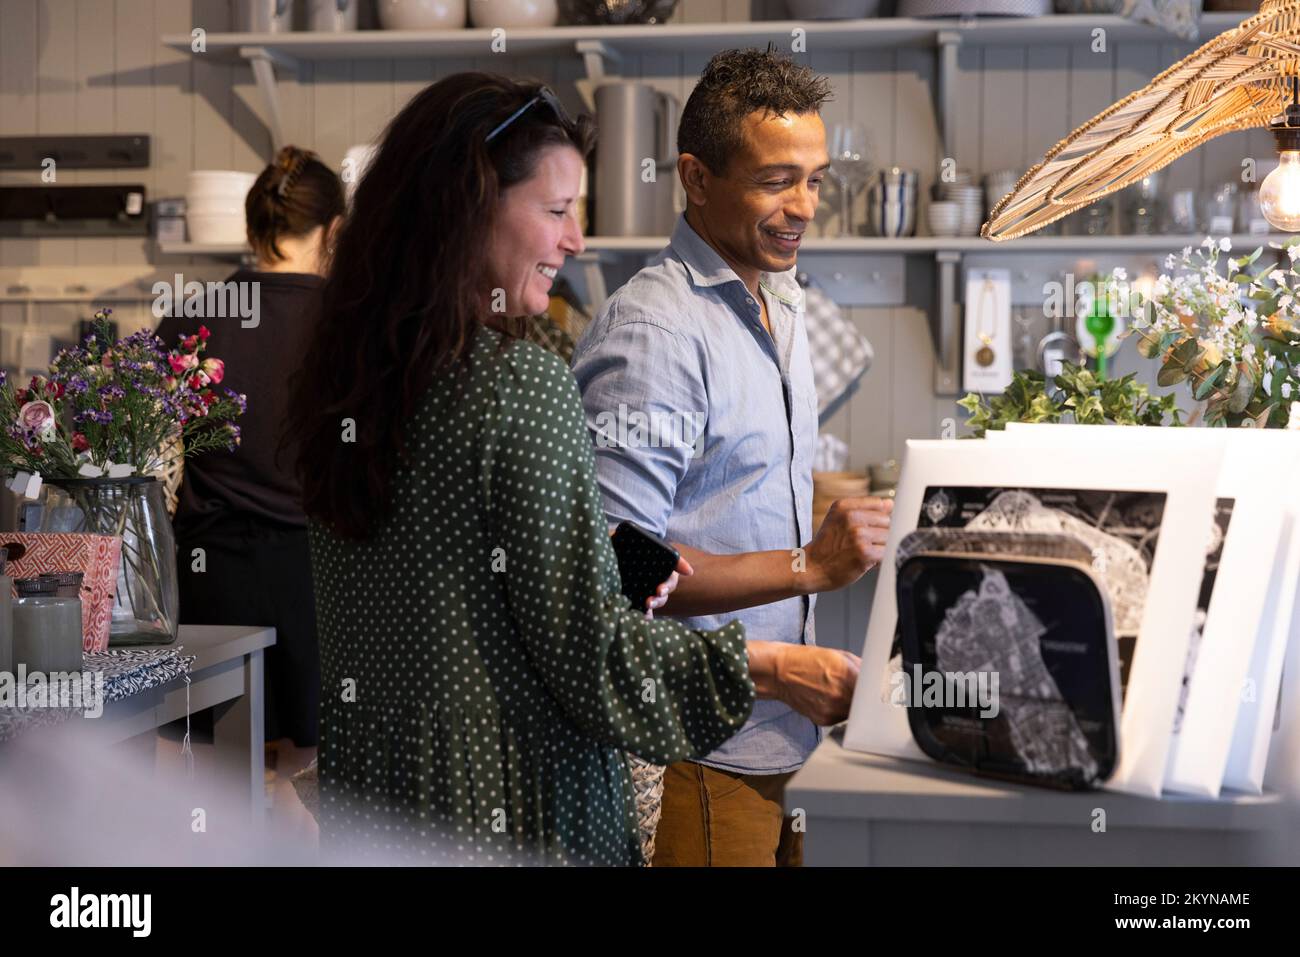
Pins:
x: 948, y: 42
x: 264, y: 62
x: 945, y: 329
x: 596, y: 55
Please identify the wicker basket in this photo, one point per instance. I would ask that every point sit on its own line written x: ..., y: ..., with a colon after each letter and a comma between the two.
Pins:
x: 171, y: 472
x: 1239, y: 80
x: 648, y: 785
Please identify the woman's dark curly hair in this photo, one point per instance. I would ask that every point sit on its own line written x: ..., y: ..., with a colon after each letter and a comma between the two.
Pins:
x: 407, y: 282
x: 734, y: 84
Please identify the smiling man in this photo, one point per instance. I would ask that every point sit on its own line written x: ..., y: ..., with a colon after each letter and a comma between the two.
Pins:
x: 712, y: 331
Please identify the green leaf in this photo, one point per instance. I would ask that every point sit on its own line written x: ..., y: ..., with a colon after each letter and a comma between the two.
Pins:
x: 1243, y: 393
x: 1171, y: 373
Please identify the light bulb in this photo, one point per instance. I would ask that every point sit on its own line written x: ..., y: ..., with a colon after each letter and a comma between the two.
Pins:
x: 1279, y: 194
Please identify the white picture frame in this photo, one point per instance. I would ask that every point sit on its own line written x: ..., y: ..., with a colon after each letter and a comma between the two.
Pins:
x: 1187, y: 479
x: 1241, y: 610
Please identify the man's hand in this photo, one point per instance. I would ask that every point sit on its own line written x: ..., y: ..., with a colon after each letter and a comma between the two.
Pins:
x: 816, y: 682
x: 850, y: 542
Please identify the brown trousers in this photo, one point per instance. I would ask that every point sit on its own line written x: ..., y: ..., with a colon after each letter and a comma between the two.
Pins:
x: 716, y: 818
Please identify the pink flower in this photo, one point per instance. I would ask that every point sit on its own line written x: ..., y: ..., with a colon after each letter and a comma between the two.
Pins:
x: 204, y: 332
x: 79, y: 442
x: 37, y: 416
x: 180, y: 363
x: 215, y: 370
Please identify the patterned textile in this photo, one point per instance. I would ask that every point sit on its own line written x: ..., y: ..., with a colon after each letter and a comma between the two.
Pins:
x: 129, y: 671
x: 647, y: 778
x: 1180, y: 17
x: 840, y: 354
x: 126, y: 671
x: 550, y: 335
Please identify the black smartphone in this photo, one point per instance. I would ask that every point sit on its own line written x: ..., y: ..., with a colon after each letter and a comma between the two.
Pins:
x: 644, y: 562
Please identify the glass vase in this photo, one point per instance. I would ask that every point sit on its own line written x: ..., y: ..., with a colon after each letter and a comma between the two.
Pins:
x: 146, y: 606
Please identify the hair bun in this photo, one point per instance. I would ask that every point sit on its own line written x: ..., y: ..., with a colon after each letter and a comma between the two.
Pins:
x: 289, y: 164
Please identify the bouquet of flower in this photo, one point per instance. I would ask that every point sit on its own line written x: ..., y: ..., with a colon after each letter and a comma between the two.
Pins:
x: 115, y: 408
x: 1233, y: 334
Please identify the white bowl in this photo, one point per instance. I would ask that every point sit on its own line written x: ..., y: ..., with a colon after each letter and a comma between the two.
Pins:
x: 214, y: 207
x: 491, y: 14
x: 229, y: 178
x: 421, y: 14
x: 219, y: 185
x: 216, y: 228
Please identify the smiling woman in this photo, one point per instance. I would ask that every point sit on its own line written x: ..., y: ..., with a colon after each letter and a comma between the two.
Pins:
x: 484, y: 674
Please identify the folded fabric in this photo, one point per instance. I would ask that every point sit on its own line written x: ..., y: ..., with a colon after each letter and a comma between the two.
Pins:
x: 840, y: 354
x: 126, y: 671
x: 129, y: 671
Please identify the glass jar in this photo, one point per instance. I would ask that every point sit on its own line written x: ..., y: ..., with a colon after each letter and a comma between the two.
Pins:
x: 46, y: 627
x: 146, y: 606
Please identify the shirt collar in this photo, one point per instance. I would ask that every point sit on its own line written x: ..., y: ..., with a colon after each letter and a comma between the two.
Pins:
x: 707, y: 268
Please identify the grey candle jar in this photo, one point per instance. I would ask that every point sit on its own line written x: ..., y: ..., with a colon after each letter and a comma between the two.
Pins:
x: 46, y: 628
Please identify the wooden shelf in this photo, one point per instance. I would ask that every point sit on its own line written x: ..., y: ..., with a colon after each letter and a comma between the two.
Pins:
x: 910, y: 245
x: 961, y: 244
x: 821, y: 35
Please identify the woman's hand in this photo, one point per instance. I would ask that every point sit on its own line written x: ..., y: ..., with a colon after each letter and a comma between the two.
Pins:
x: 666, y: 588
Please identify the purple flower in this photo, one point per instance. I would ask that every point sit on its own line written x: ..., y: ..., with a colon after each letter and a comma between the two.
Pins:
x: 77, y: 385
x: 111, y: 392
x: 239, y: 399
x: 93, y: 415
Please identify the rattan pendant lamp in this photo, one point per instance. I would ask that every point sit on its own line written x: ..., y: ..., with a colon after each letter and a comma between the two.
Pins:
x: 1246, y: 77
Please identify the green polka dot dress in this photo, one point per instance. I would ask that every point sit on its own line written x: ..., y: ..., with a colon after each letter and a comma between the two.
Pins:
x: 482, y: 674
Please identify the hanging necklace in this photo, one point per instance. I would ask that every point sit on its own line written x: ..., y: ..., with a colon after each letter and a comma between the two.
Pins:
x: 984, y: 354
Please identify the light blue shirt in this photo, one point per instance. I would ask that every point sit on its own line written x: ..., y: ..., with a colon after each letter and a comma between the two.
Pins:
x: 705, y: 428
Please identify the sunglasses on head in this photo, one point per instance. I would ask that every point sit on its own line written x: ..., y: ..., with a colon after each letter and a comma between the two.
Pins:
x: 544, y: 95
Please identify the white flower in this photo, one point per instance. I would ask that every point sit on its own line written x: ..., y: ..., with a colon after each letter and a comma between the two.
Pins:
x: 1187, y: 253
x: 1286, y: 390
x: 1293, y: 251
x: 1225, y: 244
x: 1208, y: 242
x: 1119, y: 273
x: 1278, y: 276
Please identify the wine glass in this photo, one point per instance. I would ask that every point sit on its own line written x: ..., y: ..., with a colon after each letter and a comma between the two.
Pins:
x: 850, y: 152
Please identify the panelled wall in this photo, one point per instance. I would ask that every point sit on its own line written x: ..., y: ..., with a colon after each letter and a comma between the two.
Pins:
x: 93, y: 66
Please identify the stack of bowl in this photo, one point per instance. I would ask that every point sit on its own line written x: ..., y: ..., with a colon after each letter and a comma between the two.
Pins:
x: 891, y: 202
x: 828, y: 487
x: 214, y: 205
x: 969, y: 197
x: 943, y: 218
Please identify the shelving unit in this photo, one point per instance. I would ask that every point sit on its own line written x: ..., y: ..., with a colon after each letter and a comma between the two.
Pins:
x: 602, y: 48
x: 870, y: 266
x: 598, y: 246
